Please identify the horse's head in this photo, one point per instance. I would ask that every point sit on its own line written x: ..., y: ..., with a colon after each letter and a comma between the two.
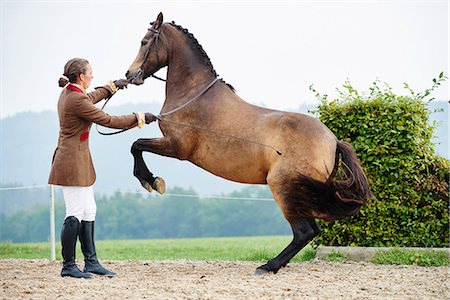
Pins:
x: 151, y: 57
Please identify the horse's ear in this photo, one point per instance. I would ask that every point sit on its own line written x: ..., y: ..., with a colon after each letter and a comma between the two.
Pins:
x: 159, y: 21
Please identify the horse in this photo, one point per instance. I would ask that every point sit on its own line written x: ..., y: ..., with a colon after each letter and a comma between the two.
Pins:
x: 311, y: 174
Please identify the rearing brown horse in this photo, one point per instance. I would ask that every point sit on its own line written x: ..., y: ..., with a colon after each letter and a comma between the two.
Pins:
x: 204, y: 121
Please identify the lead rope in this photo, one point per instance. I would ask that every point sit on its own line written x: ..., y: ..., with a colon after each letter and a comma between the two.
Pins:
x: 115, y: 132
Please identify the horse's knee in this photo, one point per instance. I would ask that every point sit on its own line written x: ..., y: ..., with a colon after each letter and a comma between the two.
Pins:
x: 305, y: 231
x: 135, y: 148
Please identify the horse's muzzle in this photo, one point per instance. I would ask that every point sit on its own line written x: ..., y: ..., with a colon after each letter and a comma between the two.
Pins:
x: 136, y: 77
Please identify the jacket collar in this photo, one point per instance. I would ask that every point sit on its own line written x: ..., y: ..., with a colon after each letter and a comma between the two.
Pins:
x: 75, y: 88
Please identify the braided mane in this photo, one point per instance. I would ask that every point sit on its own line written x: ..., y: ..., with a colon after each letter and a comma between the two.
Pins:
x: 199, y: 47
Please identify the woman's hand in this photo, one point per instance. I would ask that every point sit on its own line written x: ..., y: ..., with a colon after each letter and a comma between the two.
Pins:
x: 149, y: 117
x: 121, y: 83
x: 145, y: 118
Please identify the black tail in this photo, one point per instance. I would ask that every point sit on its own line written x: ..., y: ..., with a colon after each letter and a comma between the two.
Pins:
x: 334, y: 199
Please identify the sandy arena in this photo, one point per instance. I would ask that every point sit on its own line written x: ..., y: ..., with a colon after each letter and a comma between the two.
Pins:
x: 39, y: 279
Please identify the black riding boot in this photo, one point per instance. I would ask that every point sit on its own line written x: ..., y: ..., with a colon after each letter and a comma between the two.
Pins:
x: 69, y: 234
x: 91, y: 263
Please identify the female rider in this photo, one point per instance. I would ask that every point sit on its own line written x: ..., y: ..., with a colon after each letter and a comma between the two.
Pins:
x: 72, y: 166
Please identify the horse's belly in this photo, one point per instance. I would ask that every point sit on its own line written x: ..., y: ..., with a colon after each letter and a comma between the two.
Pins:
x: 238, y: 170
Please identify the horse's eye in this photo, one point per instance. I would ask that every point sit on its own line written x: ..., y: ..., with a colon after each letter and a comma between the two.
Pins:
x: 143, y: 43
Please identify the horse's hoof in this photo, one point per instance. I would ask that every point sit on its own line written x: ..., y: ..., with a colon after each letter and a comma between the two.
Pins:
x: 159, y: 185
x: 260, y: 271
x: 147, y: 186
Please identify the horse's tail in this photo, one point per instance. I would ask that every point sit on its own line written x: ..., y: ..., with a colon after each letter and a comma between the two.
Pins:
x: 334, y: 199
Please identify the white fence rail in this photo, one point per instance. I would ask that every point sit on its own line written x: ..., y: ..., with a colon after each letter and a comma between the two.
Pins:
x: 52, y: 212
x: 51, y: 194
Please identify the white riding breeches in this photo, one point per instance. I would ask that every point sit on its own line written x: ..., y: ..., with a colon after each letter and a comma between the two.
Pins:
x: 80, y: 202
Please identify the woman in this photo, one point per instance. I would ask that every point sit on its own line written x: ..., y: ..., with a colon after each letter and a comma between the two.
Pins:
x: 72, y: 166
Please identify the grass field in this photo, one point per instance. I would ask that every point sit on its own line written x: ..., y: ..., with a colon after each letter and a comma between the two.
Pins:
x: 261, y: 248
x: 233, y: 248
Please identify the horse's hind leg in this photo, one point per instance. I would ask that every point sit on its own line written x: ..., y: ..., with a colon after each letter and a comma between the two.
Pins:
x: 141, y: 172
x: 304, y: 230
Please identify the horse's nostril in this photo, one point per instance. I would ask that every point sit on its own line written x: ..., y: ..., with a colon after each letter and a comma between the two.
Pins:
x: 126, y: 74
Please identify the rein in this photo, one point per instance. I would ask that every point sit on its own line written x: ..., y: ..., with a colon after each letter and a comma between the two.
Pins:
x: 115, y: 132
x: 138, y: 73
x: 190, y: 101
x: 160, y: 115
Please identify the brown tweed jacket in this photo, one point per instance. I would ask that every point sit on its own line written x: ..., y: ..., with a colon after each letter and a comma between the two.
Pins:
x: 72, y: 163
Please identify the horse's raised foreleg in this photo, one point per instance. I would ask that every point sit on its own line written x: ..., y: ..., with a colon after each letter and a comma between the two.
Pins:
x: 304, y: 231
x: 159, y: 146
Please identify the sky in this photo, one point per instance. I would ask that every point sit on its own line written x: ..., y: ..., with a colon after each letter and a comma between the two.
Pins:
x: 271, y: 52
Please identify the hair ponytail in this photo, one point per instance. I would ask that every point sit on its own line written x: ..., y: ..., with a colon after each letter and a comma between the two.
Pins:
x: 63, y: 81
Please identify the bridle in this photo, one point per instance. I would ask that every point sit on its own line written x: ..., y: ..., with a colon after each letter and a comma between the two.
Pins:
x: 155, y: 40
x: 154, y: 43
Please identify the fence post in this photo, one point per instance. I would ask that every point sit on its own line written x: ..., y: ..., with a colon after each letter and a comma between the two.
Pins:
x: 52, y: 223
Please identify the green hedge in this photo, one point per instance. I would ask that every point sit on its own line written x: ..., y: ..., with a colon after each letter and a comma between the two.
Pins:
x: 392, y: 136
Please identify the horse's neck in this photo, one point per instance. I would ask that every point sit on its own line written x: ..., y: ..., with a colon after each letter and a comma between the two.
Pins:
x: 187, y: 75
